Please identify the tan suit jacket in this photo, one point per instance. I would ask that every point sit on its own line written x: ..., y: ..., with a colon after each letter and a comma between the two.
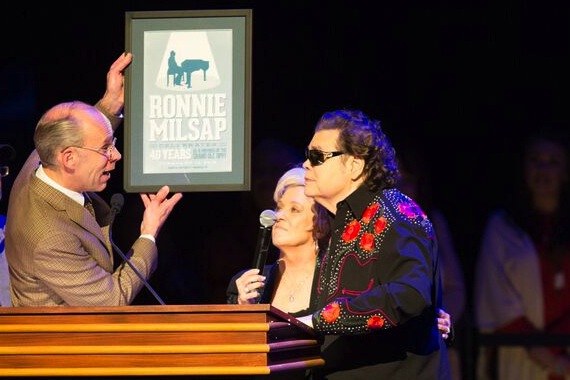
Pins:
x: 59, y: 254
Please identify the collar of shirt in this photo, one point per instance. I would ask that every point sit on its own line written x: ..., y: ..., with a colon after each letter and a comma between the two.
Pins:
x: 77, y: 197
x: 357, y: 202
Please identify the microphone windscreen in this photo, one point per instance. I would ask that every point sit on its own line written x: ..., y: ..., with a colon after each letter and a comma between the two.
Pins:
x: 267, y: 218
x: 117, y: 201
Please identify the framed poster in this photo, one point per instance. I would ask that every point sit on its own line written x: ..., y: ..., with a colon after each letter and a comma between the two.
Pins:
x: 188, y: 100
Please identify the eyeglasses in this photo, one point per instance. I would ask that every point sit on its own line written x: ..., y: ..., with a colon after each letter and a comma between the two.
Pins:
x: 106, y: 150
x: 318, y: 157
x: 4, y: 171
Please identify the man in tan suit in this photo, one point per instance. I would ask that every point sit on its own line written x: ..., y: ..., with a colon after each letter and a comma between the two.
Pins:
x: 60, y: 254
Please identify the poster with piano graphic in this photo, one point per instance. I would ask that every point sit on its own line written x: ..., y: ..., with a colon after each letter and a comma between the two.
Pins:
x: 187, y: 106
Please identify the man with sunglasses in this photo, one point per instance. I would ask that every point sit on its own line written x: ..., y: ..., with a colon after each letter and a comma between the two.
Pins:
x: 379, y: 286
x: 58, y: 239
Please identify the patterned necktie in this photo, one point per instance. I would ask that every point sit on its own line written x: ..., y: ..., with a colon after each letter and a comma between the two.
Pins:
x: 88, y: 205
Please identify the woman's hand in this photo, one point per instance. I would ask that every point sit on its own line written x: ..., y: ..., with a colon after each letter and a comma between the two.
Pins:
x: 248, y: 285
x: 444, y: 324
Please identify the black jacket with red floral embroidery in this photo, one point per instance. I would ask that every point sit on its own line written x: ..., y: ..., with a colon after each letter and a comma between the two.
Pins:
x: 379, y: 290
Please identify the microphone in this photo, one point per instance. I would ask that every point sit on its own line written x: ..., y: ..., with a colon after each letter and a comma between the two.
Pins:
x: 117, y: 202
x: 267, y: 220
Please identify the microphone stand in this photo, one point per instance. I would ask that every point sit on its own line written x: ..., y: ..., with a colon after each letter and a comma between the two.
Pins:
x: 145, y: 282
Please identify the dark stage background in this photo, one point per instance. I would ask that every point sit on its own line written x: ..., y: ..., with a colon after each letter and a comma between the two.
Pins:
x: 463, y: 80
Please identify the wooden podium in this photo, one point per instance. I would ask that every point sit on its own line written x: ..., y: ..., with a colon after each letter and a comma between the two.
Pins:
x: 224, y: 340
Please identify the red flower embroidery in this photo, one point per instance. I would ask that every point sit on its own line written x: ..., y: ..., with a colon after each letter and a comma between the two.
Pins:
x: 380, y: 224
x: 367, y: 241
x: 331, y: 312
x: 351, y: 231
x: 369, y: 212
x: 375, y: 322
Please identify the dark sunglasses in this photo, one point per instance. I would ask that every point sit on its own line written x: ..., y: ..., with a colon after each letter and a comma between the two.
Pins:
x: 318, y: 157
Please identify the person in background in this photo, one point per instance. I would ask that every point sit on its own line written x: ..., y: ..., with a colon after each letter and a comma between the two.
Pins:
x: 301, y: 232
x: 7, y: 154
x: 415, y: 182
x: 58, y: 236
x: 522, y: 277
x: 379, y: 286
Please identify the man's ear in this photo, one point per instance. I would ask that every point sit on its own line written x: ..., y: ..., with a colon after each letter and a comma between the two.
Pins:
x: 68, y: 158
x: 357, y: 168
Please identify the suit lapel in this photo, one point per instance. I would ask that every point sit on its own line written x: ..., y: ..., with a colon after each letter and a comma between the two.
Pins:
x: 77, y: 213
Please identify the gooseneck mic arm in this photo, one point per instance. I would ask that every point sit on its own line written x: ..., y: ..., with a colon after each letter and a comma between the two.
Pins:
x: 117, y: 202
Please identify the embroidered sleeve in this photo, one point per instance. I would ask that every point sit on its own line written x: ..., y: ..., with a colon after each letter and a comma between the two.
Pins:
x: 337, y: 318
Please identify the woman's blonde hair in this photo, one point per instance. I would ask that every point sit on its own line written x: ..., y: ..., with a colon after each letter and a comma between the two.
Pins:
x: 296, y: 177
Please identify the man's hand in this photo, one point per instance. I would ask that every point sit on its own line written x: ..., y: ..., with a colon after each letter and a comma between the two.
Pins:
x: 157, y: 209
x: 114, y: 98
